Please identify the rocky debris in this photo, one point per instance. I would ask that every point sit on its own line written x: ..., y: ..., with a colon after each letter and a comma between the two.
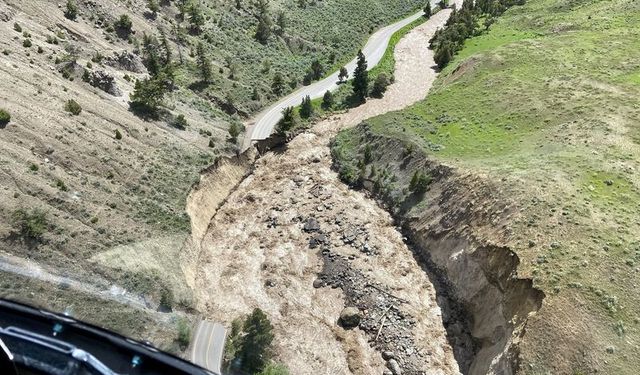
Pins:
x: 388, y: 326
x: 272, y: 220
x: 350, y: 317
x: 393, y: 365
x: 104, y: 81
x: 368, y: 249
x: 349, y: 235
x: 311, y: 225
x: 320, y: 191
x: 318, y: 240
x: 127, y: 61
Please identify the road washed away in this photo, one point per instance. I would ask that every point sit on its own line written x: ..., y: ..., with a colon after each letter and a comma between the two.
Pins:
x: 296, y: 242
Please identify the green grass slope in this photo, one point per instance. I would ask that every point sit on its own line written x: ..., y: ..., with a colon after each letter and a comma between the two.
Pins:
x: 547, y: 103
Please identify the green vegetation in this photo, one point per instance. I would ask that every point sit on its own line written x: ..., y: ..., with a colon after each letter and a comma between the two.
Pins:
x: 184, y: 333
x: 463, y: 24
x: 343, y: 75
x: 287, y: 122
x: 360, y: 81
x: 61, y: 185
x: 544, y: 106
x: 123, y: 25
x: 328, y: 101
x: 419, y: 183
x: 274, y: 369
x: 30, y: 224
x: 153, y: 6
x: 71, y: 10
x: 5, y: 117
x: 263, y: 31
x: 204, y: 65
x: 380, y: 86
x: 343, y: 98
x: 249, y: 343
x: 427, y: 10
x: 147, y: 96
x: 73, y: 107
x: 234, y: 132
x: 306, y: 108
x: 179, y: 122
x: 287, y: 41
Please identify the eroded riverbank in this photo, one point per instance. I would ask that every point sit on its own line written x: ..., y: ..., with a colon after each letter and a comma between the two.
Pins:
x: 256, y: 252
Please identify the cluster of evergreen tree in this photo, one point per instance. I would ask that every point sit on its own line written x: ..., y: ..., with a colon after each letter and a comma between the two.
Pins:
x: 249, y: 345
x: 306, y: 108
x: 463, y: 24
x: 149, y: 93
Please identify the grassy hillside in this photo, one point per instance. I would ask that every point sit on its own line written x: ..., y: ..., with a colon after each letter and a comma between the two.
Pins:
x: 314, y: 30
x: 546, y: 105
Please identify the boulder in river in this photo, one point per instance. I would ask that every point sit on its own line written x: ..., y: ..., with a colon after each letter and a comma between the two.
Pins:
x: 350, y: 317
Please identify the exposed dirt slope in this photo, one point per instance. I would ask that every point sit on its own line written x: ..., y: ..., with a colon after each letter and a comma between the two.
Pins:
x: 460, y: 231
x: 257, y: 251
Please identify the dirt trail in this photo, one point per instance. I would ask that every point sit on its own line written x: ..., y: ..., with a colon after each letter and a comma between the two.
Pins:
x: 296, y: 242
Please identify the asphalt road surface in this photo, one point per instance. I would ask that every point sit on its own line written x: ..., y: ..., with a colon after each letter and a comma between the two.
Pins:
x: 263, y: 124
x: 208, y: 346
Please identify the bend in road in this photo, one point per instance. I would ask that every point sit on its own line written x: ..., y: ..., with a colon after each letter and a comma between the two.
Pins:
x: 208, y: 346
x: 262, y: 125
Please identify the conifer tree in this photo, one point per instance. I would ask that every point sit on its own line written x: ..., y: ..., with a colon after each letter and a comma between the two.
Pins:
x: 361, y: 79
x: 204, y: 65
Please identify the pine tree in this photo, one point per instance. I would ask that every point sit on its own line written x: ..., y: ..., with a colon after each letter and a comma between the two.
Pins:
x: 443, y: 55
x: 234, y: 132
x: 124, y: 25
x: 427, y: 9
x: 344, y: 74
x: 317, y: 69
x: 153, y: 7
x: 204, y: 65
x: 281, y: 21
x: 327, y: 100
x: 150, y: 54
x: 306, y: 109
x: 147, y: 96
x: 264, y: 22
x: 71, y: 10
x: 287, y: 122
x: 380, y: 86
x: 167, y: 49
x: 255, y: 95
x: 414, y: 181
x: 257, y: 341
x: 361, y: 79
x: 196, y: 19
x: 278, y: 84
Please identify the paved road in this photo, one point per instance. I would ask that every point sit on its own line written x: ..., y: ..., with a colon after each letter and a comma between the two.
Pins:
x: 263, y: 124
x: 208, y: 346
